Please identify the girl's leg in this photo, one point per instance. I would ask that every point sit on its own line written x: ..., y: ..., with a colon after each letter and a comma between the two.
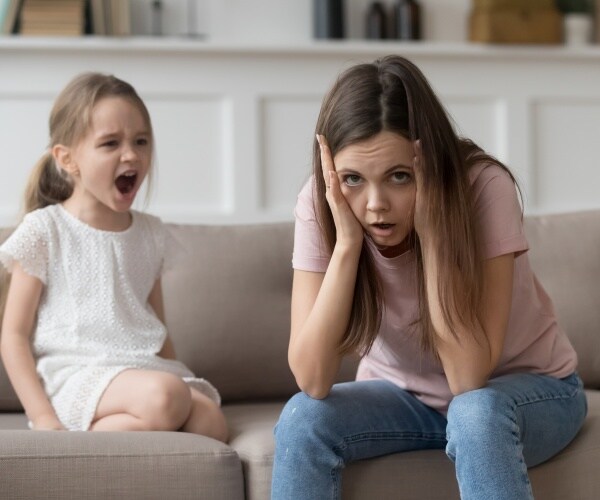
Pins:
x: 516, y: 421
x: 315, y: 438
x: 206, y: 418
x: 143, y: 400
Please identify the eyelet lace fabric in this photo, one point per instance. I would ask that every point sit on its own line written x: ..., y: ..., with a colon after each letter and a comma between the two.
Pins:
x: 94, y: 320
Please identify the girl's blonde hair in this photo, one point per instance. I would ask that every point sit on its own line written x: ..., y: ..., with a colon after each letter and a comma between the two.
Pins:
x: 70, y: 120
x: 392, y: 94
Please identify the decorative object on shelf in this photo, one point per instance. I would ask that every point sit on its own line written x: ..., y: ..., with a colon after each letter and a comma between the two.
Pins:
x: 408, y: 20
x: 328, y: 17
x: 578, y: 21
x: 597, y: 21
x: 157, y: 10
x: 515, y: 21
x: 376, y: 21
x: 9, y: 15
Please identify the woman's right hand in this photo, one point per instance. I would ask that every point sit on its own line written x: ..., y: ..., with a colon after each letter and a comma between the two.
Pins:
x: 349, y: 231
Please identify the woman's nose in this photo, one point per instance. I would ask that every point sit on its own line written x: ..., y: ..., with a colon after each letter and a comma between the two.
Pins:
x: 377, y: 201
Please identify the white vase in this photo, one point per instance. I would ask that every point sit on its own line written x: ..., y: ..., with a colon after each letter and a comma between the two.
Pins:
x: 578, y: 28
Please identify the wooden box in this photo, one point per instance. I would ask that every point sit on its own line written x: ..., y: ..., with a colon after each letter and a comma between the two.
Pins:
x: 515, y: 21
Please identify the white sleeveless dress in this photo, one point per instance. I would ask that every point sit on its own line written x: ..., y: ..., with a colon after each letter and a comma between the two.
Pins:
x: 94, y: 320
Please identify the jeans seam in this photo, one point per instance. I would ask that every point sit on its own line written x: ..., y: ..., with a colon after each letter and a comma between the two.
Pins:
x: 386, y: 436
x: 548, y: 397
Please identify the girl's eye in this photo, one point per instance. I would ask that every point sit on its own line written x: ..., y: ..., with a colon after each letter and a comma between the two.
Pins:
x: 109, y: 144
x: 400, y: 177
x: 142, y: 142
x: 352, y: 180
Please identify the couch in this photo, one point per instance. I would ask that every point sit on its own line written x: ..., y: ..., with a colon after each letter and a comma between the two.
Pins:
x: 227, y: 303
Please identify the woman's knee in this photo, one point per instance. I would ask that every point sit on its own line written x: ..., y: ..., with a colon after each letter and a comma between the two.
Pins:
x: 304, y: 418
x: 479, y: 416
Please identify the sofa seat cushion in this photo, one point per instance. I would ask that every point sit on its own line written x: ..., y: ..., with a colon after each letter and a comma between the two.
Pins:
x: 572, y: 474
x: 103, y: 465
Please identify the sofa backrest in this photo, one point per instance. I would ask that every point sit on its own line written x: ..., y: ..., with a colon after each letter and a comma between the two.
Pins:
x: 227, y: 300
x: 565, y: 256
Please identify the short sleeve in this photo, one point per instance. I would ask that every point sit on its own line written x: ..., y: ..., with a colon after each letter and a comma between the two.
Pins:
x: 310, y: 249
x: 498, y: 212
x: 28, y: 245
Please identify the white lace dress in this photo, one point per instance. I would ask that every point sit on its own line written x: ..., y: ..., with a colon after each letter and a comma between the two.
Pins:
x: 94, y: 320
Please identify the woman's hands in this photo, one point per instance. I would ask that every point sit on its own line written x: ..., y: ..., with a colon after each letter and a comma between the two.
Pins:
x: 349, y: 231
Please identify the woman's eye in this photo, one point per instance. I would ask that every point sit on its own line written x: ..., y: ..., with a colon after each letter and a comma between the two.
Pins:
x: 400, y: 177
x: 352, y: 180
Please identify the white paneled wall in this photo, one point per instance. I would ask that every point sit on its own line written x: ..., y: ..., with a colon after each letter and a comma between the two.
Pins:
x: 234, y: 123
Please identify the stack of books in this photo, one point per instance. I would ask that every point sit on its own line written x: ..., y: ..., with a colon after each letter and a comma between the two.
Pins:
x: 65, y: 17
x: 53, y: 17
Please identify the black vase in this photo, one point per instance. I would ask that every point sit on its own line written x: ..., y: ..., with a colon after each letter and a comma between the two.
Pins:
x: 328, y: 16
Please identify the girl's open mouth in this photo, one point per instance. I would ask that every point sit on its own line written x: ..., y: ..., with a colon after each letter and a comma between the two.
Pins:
x: 383, y: 226
x: 126, y: 182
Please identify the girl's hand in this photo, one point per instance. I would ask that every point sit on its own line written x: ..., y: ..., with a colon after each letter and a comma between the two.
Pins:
x: 47, y: 423
x: 421, y: 198
x: 348, y: 229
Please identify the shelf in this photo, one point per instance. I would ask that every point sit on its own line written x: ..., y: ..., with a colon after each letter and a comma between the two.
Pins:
x: 308, y: 48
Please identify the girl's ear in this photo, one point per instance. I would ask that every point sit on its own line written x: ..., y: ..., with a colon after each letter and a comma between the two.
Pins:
x: 64, y: 159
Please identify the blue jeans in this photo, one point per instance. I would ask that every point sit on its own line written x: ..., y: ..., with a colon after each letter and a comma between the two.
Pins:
x: 491, y: 434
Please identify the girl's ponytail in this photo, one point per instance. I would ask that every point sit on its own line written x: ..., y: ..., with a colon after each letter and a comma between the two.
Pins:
x: 46, y: 185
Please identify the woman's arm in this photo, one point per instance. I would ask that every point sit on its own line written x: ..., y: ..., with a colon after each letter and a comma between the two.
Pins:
x: 19, y: 319
x: 322, y: 302
x: 155, y: 299
x: 470, y: 357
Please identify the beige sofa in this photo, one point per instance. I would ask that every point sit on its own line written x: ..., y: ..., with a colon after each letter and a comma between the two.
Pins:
x: 227, y: 304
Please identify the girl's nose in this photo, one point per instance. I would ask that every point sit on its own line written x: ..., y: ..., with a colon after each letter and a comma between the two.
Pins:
x: 129, y: 153
x: 377, y: 201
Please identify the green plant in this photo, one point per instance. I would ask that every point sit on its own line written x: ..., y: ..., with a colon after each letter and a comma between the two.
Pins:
x: 575, y: 6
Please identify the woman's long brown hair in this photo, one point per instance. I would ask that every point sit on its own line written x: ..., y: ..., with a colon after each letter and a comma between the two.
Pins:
x: 392, y: 94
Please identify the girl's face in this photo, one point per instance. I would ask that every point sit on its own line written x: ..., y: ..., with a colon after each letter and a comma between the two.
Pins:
x: 377, y: 179
x: 112, y: 160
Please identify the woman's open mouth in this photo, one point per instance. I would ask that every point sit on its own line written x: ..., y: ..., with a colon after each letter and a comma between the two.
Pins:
x: 126, y: 182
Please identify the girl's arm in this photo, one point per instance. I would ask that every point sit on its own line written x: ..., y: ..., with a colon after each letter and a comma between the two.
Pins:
x: 19, y: 318
x: 471, y: 357
x: 322, y: 302
x: 155, y: 299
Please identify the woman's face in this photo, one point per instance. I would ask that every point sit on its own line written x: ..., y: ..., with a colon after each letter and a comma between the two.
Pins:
x: 377, y: 179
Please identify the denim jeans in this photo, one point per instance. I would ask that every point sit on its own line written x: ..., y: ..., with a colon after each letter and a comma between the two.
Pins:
x: 491, y: 434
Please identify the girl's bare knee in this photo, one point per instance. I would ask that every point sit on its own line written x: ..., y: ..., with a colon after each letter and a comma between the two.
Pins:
x: 168, y: 402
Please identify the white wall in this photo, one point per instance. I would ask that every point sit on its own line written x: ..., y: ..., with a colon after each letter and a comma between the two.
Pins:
x: 234, y: 122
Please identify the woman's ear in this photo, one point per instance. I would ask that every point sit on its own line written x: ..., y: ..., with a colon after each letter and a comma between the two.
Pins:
x: 64, y: 159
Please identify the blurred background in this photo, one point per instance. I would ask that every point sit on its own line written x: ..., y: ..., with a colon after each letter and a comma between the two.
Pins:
x: 234, y: 88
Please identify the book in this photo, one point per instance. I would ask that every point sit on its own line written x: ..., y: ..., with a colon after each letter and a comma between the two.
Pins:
x: 11, y: 17
x: 52, y: 17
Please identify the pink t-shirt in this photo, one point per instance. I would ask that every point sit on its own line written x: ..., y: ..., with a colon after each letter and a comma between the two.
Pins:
x: 534, y: 341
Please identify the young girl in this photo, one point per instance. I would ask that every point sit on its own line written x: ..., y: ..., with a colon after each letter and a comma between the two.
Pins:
x: 83, y: 335
x: 409, y: 250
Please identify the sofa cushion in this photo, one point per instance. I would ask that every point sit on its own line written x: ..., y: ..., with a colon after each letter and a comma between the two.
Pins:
x: 417, y: 475
x: 227, y: 305
x: 101, y: 465
x: 565, y: 255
